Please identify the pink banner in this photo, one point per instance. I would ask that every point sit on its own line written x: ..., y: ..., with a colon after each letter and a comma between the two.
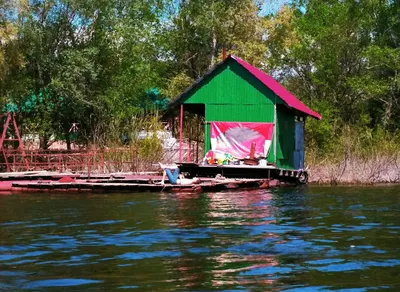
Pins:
x: 236, y: 138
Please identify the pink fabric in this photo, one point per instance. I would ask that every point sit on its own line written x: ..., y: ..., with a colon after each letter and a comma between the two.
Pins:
x: 236, y: 138
x: 278, y: 89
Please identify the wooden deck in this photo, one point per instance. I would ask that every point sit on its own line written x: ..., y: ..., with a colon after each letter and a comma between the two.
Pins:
x: 130, y: 186
x: 213, y: 178
x: 242, y: 171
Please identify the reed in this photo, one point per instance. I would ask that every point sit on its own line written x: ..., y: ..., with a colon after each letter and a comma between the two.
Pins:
x: 357, y: 157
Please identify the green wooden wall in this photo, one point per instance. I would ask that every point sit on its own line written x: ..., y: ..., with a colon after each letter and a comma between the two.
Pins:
x: 285, y: 145
x: 231, y: 93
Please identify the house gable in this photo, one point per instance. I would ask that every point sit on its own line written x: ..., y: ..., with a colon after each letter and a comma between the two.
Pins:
x: 229, y: 83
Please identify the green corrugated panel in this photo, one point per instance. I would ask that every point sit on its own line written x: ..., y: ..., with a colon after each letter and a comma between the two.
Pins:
x: 231, y: 84
x: 240, y: 113
x: 271, y: 154
x: 286, y: 141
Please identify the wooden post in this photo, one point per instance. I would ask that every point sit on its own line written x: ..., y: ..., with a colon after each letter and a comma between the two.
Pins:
x: 181, y: 134
x: 189, y: 157
x: 304, y: 139
x: 88, y: 165
x: 197, y: 149
x: 198, y: 131
x: 133, y: 160
x: 275, y: 130
x: 94, y: 154
x: 102, y: 161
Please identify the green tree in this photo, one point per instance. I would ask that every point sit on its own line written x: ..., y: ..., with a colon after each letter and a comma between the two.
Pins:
x: 335, y: 55
x: 197, y: 31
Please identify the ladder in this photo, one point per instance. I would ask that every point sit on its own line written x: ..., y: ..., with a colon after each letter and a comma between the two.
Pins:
x: 10, y: 118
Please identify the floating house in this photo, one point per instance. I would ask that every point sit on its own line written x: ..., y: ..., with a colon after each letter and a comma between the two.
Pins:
x: 242, y: 104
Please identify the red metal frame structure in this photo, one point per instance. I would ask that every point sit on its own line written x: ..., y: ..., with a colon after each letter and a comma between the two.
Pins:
x: 87, y: 161
x: 4, y: 148
x: 77, y: 161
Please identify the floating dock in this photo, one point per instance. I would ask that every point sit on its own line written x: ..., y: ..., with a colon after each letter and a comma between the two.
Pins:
x: 244, y: 171
x: 120, y: 182
x: 89, y: 186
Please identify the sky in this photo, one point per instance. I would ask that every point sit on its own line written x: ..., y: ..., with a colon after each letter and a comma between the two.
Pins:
x: 272, y: 6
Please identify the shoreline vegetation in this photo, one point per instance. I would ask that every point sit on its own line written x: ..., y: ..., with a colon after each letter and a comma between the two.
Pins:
x: 357, y: 159
x: 98, y: 73
x: 355, y: 173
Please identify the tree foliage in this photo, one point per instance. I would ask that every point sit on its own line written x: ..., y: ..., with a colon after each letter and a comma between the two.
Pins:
x: 340, y: 57
x: 98, y: 63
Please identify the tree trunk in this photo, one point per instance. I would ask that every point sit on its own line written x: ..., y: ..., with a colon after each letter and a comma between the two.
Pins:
x: 44, y: 142
x: 214, y: 41
x: 388, y: 111
x: 213, y: 49
x: 68, y: 140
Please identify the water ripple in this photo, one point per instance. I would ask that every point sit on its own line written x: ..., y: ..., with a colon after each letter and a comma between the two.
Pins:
x: 304, y: 239
x: 58, y: 283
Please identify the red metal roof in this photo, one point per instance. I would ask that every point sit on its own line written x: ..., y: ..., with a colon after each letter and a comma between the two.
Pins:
x: 278, y: 89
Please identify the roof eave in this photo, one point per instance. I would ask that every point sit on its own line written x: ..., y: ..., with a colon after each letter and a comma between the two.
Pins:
x: 176, y: 100
x: 300, y: 113
x: 311, y: 113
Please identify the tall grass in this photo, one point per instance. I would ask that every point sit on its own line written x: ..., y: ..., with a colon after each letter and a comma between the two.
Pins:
x: 136, y: 137
x: 357, y: 156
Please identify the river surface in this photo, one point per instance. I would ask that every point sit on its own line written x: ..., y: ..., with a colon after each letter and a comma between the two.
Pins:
x: 288, y: 239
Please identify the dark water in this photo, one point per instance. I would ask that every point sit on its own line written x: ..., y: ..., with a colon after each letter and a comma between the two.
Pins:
x: 303, y: 239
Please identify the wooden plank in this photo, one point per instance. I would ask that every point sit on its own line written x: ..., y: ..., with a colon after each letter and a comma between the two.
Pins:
x: 209, y: 185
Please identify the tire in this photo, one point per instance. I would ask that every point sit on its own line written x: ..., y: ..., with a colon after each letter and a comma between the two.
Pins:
x: 303, y: 178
